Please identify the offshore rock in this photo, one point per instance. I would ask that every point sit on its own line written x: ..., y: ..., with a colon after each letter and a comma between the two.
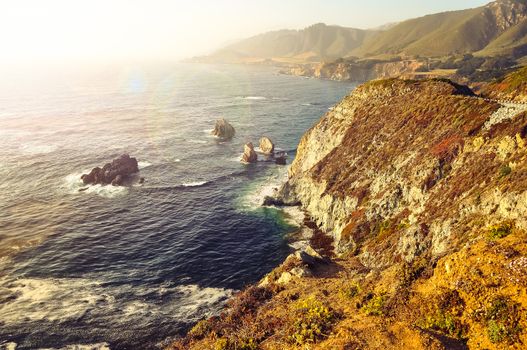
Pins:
x: 249, y: 154
x: 114, y: 173
x: 266, y: 145
x: 223, y: 129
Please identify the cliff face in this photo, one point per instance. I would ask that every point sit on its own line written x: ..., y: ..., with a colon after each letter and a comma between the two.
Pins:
x: 356, y: 72
x: 423, y: 188
x: 420, y: 157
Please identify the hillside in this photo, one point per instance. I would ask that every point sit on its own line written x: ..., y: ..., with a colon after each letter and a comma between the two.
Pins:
x: 498, y: 28
x: 512, y: 87
x: 454, y: 32
x: 314, y: 43
x: 422, y: 189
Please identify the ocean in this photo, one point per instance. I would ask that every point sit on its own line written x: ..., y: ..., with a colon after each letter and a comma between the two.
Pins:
x: 129, y: 267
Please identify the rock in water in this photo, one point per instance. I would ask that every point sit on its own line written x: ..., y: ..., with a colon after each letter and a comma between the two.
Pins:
x: 249, y: 155
x: 114, y: 173
x: 266, y: 145
x: 223, y: 129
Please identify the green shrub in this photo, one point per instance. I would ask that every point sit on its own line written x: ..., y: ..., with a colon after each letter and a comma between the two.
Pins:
x: 500, y: 231
x: 505, y: 171
x: 503, y: 318
x: 350, y: 291
x: 443, y: 314
x: 375, y: 306
x: 221, y: 344
x: 200, y: 330
x: 443, y: 322
x: 236, y: 344
x: 312, y: 323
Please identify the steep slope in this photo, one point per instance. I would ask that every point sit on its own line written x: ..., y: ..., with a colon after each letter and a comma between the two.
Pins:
x: 512, y: 42
x: 512, y: 87
x: 452, y: 32
x: 317, y: 42
x: 423, y: 188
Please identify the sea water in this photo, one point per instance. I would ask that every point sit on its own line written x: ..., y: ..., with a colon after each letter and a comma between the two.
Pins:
x: 128, y: 267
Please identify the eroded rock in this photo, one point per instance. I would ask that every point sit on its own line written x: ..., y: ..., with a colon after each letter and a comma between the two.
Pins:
x: 249, y: 154
x: 223, y: 129
x: 114, y: 173
x: 266, y: 145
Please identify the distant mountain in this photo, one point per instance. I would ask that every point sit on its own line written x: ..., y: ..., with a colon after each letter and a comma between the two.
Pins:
x: 498, y: 28
x: 314, y: 43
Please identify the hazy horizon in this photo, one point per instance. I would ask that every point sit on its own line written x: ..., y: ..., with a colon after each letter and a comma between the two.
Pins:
x: 62, y: 32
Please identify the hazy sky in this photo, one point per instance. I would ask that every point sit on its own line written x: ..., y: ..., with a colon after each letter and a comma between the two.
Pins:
x: 69, y: 30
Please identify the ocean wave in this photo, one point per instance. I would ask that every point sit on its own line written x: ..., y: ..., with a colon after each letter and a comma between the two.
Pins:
x: 97, y: 346
x: 255, y: 98
x: 255, y: 194
x: 64, y: 299
x: 195, y: 184
x: 37, y: 148
x: 143, y: 164
x: 8, y: 345
x: 197, y: 141
x: 74, y: 185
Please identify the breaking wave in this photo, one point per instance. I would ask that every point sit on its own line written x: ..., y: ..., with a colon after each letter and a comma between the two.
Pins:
x: 66, y: 299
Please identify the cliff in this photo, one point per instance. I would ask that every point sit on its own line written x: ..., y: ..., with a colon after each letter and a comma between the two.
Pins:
x: 422, y: 187
x: 359, y: 72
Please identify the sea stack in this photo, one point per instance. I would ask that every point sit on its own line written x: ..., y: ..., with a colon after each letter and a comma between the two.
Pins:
x: 266, y: 145
x: 249, y: 155
x: 223, y: 129
x: 114, y: 173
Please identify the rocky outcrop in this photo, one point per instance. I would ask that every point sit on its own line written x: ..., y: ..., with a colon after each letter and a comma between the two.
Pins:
x: 114, y: 173
x: 266, y: 145
x: 223, y: 129
x: 359, y: 72
x: 249, y: 154
x: 399, y: 158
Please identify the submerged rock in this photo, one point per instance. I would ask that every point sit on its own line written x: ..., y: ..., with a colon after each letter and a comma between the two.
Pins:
x: 249, y: 155
x: 114, y: 173
x: 266, y: 145
x: 281, y: 159
x: 223, y: 129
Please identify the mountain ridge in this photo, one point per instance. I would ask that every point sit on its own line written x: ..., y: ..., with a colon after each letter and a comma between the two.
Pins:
x: 497, y: 28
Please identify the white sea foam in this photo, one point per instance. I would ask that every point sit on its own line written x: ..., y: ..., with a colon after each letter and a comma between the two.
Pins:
x: 197, y: 141
x: 177, y: 160
x: 143, y: 164
x: 195, y: 184
x: 97, y: 346
x: 74, y: 185
x: 294, y: 216
x: 8, y: 346
x: 256, y: 193
x: 63, y: 299
x: 255, y: 98
x: 37, y: 148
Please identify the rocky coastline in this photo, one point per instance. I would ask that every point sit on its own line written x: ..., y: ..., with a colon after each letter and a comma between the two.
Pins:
x: 417, y: 192
x: 341, y: 70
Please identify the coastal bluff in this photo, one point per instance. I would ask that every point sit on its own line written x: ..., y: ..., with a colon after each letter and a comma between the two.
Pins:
x: 422, y: 194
